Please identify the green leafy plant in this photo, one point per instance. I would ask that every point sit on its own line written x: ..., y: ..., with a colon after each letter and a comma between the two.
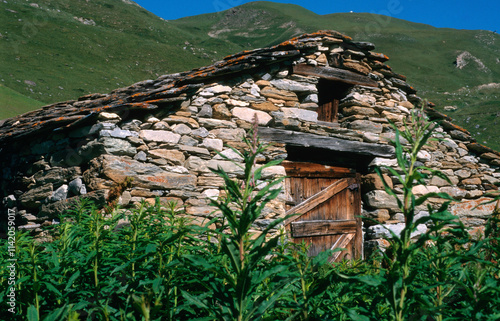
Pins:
x: 240, y: 270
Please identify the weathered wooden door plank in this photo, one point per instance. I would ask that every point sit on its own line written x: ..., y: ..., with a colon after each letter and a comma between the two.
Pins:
x: 318, y: 198
x: 342, y: 242
x: 322, y: 227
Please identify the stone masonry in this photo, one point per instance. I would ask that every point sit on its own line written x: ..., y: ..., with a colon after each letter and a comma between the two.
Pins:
x: 168, y: 133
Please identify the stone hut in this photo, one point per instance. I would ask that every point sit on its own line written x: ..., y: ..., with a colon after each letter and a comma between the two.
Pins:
x: 323, y: 99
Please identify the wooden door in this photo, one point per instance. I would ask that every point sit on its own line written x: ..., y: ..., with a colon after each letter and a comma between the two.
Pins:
x: 328, y: 202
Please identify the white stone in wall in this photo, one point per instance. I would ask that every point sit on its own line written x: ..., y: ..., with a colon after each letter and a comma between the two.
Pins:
x: 161, y: 125
x: 199, y: 101
x: 453, y: 191
x: 59, y: 194
x: 380, y: 161
x: 424, y: 156
x: 175, y: 169
x: 358, y: 99
x: 255, y: 90
x: 182, y: 129
x: 273, y: 171
x: 229, y: 154
x: 196, y: 164
x: 152, y: 119
x: 200, y: 132
x: 117, y: 133
x: 402, y: 94
x: 228, y: 166
x: 366, y: 126
x: 105, y: 115
x: 370, y: 137
x: 292, y: 85
x: 141, y: 156
x: 216, y: 123
x: 267, y: 76
x: 212, y: 144
x: 301, y: 114
x: 206, y: 94
x: 450, y: 143
x: 336, y: 50
x: 247, y: 114
x: 423, y: 189
x: 474, y: 208
x: 238, y: 103
x: 117, y: 146
x: 101, y: 126
x: 218, y: 89
x: 161, y: 136
x: 393, y: 117
x: 212, y: 194
x: 312, y: 98
x: 491, y: 180
x: 312, y: 62
x: 470, y: 159
x: 76, y: 187
x: 403, y: 109
x: 227, y: 134
x: 282, y: 73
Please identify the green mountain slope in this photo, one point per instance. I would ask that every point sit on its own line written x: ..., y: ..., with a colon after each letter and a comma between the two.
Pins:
x: 65, y: 49
x: 56, y: 50
x: 13, y: 103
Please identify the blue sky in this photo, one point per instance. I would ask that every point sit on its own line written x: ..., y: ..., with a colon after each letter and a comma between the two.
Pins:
x: 458, y: 14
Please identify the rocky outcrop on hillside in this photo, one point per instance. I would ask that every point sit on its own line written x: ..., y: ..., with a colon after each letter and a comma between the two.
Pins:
x: 465, y: 58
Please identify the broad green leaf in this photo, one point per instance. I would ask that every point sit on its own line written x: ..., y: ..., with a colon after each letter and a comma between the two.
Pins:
x: 353, y: 315
x: 52, y: 288
x: 71, y: 280
x: 32, y: 313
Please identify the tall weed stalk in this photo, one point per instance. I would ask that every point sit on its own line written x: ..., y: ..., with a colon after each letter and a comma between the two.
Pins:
x: 239, y: 272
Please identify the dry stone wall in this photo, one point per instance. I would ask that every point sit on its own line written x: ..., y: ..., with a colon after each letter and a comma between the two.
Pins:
x: 167, y: 134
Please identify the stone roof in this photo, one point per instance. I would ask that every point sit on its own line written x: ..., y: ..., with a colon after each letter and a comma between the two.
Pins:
x: 168, y: 91
x: 152, y: 94
x: 173, y: 88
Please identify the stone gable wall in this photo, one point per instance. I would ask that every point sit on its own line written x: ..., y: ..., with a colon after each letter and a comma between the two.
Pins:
x: 170, y: 150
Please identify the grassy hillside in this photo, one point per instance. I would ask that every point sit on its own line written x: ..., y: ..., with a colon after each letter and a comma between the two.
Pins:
x: 13, y: 103
x: 53, y: 50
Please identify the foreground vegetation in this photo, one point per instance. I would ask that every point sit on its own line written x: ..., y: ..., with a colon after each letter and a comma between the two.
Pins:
x: 152, y: 264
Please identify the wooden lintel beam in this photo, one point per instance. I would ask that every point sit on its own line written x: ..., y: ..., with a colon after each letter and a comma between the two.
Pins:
x: 335, y: 74
x: 305, y: 169
x: 299, y: 139
x: 320, y: 228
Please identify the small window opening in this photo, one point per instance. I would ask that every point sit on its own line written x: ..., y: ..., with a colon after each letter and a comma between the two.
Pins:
x: 329, y: 95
